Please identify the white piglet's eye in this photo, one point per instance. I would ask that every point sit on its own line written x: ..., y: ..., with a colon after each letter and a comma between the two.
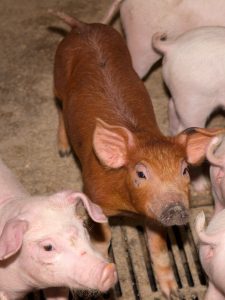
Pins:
x: 48, y: 247
x: 48, y: 251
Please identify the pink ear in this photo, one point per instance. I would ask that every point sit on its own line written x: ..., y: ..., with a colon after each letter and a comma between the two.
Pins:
x: 111, y: 144
x: 12, y: 237
x: 94, y: 211
x: 216, y: 151
x: 196, y: 141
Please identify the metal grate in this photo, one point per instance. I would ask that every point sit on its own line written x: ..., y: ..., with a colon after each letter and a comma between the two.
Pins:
x: 136, y: 277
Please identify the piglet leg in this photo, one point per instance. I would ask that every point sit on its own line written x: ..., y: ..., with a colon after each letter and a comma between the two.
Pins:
x: 63, y: 143
x: 175, y: 125
x: 156, y: 237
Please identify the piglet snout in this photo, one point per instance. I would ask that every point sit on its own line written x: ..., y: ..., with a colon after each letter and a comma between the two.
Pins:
x: 108, y: 278
x: 174, y: 214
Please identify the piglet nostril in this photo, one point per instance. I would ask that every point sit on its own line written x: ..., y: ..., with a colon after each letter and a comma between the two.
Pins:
x: 83, y: 253
x: 175, y: 214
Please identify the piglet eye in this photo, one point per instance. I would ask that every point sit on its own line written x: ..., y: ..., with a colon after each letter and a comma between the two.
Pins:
x: 141, y: 174
x: 185, y: 171
x: 48, y: 247
x: 141, y: 171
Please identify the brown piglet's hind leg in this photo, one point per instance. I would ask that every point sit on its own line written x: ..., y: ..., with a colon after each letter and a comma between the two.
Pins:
x: 63, y: 142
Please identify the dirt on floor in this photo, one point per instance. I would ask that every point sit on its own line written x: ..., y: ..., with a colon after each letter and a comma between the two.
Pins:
x: 28, y: 115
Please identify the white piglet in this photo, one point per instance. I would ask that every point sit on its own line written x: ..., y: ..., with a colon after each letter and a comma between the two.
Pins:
x: 212, y: 253
x: 216, y: 157
x: 141, y: 19
x: 43, y: 242
x: 194, y: 72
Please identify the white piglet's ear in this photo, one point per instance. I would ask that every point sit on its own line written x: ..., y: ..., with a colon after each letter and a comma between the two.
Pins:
x: 12, y: 237
x: 94, y: 211
x: 216, y: 151
x: 111, y: 144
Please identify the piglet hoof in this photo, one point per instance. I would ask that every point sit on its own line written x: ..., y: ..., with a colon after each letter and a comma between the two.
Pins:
x: 64, y: 152
x: 169, y: 288
x: 175, y: 295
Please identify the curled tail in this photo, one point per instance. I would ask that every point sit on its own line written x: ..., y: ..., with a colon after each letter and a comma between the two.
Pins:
x: 212, y: 153
x: 160, y: 42
x: 71, y: 21
x: 203, y: 236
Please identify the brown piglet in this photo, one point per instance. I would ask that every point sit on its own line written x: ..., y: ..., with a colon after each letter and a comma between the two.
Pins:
x: 128, y: 165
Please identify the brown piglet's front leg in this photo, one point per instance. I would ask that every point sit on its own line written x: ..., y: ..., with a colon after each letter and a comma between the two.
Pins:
x: 156, y: 239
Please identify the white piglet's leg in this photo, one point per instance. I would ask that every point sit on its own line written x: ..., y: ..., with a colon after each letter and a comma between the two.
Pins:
x: 175, y: 125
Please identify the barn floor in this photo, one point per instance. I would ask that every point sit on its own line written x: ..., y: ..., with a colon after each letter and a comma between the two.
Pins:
x: 28, y: 124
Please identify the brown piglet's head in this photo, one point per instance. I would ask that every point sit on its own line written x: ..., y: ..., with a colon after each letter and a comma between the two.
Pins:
x: 156, y: 173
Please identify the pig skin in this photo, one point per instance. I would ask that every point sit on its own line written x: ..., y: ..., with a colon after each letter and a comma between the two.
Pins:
x: 211, y: 252
x: 43, y: 242
x: 194, y: 71
x: 141, y: 19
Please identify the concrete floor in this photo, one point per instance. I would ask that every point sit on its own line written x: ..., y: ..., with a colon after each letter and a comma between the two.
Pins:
x: 28, y: 116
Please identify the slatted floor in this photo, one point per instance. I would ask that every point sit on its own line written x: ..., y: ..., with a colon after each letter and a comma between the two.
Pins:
x: 136, y: 277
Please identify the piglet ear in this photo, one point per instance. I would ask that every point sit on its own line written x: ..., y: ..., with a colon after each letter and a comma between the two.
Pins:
x: 111, y: 144
x: 216, y: 151
x: 12, y: 237
x: 94, y: 211
x: 196, y: 141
